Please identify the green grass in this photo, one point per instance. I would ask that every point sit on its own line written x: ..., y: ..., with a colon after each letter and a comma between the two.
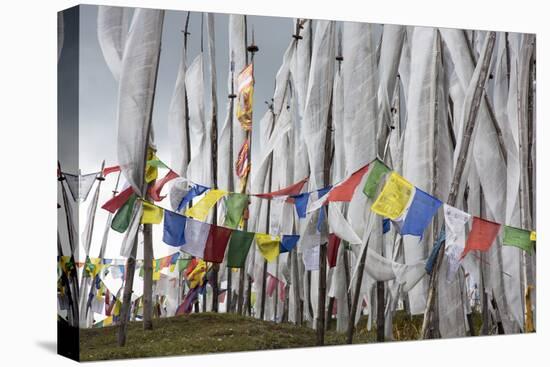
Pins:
x: 217, y: 333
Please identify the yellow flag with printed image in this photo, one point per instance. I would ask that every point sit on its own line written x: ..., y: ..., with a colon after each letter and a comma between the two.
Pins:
x: 152, y: 214
x: 269, y: 246
x: 394, y: 198
x: 202, y: 208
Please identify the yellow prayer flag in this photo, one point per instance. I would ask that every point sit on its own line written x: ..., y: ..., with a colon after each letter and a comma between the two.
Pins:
x: 151, y: 214
x: 196, y: 277
x: 268, y: 245
x: 156, y: 275
x: 151, y: 172
x: 201, y: 209
x: 97, y: 265
x: 245, y: 92
x: 533, y: 236
x: 172, y: 267
x: 394, y: 198
x: 108, y: 321
x: 116, y: 310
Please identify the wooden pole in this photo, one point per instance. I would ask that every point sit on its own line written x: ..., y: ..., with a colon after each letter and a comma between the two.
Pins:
x: 322, y: 296
x: 147, y: 247
x: 357, y: 291
x: 127, y: 295
x: 487, y: 102
x: 148, y: 258
x: 214, y: 150
x: 428, y: 329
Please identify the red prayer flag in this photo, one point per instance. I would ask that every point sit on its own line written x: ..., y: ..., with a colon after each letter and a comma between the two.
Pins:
x: 482, y: 235
x: 112, y: 169
x: 282, y: 291
x: 293, y: 189
x: 117, y: 201
x: 154, y: 191
x: 218, y: 237
x: 191, y: 266
x: 345, y: 190
x: 332, y: 251
x: 272, y: 285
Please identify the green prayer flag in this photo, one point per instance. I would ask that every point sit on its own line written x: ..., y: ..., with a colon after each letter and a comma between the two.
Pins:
x: 518, y: 237
x: 235, y: 205
x: 182, y: 264
x: 157, y: 163
x: 142, y: 271
x: 376, y: 172
x: 123, y: 216
x: 239, y: 244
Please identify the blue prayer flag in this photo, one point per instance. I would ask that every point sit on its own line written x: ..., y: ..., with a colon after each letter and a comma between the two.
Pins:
x: 322, y: 213
x: 435, y: 251
x: 194, y: 192
x: 301, y: 204
x: 385, y: 225
x: 174, y: 229
x: 420, y: 213
x: 288, y: 242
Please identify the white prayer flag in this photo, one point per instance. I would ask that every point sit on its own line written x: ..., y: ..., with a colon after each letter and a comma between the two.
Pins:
x: 196, y: 234
x: 455, y: 237
x: 310, y: 257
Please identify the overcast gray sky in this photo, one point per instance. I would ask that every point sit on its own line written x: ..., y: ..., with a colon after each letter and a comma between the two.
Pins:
x: 98, y: 89
x: 94, y: 120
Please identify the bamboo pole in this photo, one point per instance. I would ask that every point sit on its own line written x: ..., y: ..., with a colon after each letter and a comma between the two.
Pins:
x: 322, y: 296
x: 487, y: 102
x: 428, y: 329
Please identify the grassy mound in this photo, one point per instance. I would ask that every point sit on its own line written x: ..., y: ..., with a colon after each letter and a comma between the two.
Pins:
x: 217, y: 333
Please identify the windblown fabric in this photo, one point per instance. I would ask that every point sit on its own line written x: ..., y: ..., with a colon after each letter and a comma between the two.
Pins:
x: 455, y: 237
x: 152, y: 214
x: 174, y: 229
x: 112, y: 32
x: 156, y: 189
x: 237, y: 54
x: 268, y: 246
x: 481, y: 236
x: 360, y: 100
x: 519, y: 238
x: 239, y: 244
x: 216, y: 244
x: 319, y: 94
x: 394, y: 198
x: 235, y: 205
x: 196, y: 234
x: 135, y: 96
x: 177, y: 121
x: 202, y: 208
x: 199, y: 168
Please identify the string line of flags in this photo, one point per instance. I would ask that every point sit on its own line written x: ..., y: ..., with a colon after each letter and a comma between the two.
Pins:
x: 409, y: 209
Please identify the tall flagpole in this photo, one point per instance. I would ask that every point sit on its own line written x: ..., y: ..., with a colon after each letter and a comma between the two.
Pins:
x: 428, y: 328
